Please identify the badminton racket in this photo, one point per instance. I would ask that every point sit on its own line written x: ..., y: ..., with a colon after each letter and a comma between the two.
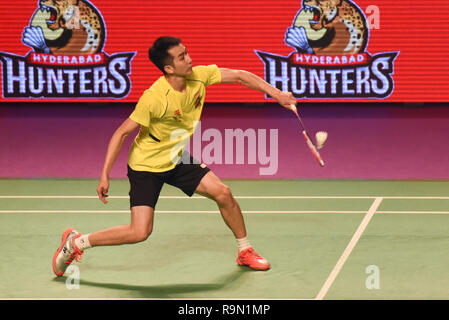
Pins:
x: 309, y: 142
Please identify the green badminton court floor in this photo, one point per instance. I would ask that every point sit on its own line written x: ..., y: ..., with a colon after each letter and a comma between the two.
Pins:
x: 325, y: 239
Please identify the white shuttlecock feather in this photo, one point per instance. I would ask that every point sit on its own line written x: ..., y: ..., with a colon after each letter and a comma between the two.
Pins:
x: 321, y: 137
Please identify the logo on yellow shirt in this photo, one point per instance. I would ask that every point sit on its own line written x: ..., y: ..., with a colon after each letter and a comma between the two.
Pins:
x: 198, y: 99
x: 177, y: 115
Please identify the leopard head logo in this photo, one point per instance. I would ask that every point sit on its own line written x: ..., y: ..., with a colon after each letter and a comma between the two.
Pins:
x: 328, y: 27
x: 71, y: 27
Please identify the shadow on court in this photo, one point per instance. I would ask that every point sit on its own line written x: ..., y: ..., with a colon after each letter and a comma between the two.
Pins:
x: 169, y: 290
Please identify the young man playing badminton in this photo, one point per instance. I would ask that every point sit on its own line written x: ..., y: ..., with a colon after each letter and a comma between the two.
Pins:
x: 173, y: 102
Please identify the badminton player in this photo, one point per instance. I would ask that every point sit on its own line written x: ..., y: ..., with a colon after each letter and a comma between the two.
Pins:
x: 172, y: 104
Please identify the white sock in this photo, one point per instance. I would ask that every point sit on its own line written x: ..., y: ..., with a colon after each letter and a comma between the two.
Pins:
x: 83, y: 242
x: 243, y: 244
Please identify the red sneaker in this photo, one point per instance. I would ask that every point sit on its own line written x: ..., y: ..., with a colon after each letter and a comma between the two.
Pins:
x: 67, y: 252
x: 250, y: 258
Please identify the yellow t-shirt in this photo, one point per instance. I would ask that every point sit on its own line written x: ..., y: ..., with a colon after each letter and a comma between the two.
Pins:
x: 168, y: 119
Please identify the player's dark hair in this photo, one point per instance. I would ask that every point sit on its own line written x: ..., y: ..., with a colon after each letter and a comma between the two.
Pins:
x: 158, y: 52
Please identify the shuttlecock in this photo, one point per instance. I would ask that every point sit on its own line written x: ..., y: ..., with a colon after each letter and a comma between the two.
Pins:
x: 320, y: 137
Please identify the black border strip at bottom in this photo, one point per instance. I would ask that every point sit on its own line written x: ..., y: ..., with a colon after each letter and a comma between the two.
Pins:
x: 226, y: 309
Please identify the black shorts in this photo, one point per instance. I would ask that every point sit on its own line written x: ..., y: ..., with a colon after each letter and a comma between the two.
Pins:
x: 145, y: 186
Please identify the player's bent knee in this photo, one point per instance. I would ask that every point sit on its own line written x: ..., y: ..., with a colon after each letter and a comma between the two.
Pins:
x: 224, y: 195
x: 141, y: 235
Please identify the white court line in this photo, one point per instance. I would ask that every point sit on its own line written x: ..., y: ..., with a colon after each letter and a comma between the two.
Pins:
x: 236, y: 197
x: 216, y: 211
x: 157, y: 299
x: 172, y: 211
x: 60, y: 197
x: 413, y: 212
x: 355, y: 238
x: 64, y: 211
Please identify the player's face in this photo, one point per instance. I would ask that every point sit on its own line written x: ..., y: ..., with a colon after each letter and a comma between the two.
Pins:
x: 182, y: 63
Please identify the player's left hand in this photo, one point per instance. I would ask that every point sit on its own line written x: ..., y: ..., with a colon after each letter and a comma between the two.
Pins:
x: 102, y: 189
x: 286, y: 99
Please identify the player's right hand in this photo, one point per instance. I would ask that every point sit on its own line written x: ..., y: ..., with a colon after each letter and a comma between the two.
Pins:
x: 287, y: 100
x: 102, y: 189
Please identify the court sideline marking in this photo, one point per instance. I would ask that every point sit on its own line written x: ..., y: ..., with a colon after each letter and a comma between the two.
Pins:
x: 216, y: 211
x: 236, y: 197
x: 355, y: 238
x: 176, y: 211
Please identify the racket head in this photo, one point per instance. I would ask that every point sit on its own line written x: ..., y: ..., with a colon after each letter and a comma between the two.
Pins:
x: 312, y: 148
x: 309, y: 142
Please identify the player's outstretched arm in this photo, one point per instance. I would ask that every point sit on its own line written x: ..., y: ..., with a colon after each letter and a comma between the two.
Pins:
x: 114, y: 147
x: 255, y: 82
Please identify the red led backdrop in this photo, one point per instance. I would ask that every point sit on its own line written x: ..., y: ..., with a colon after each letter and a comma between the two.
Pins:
x: 400, y: 57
